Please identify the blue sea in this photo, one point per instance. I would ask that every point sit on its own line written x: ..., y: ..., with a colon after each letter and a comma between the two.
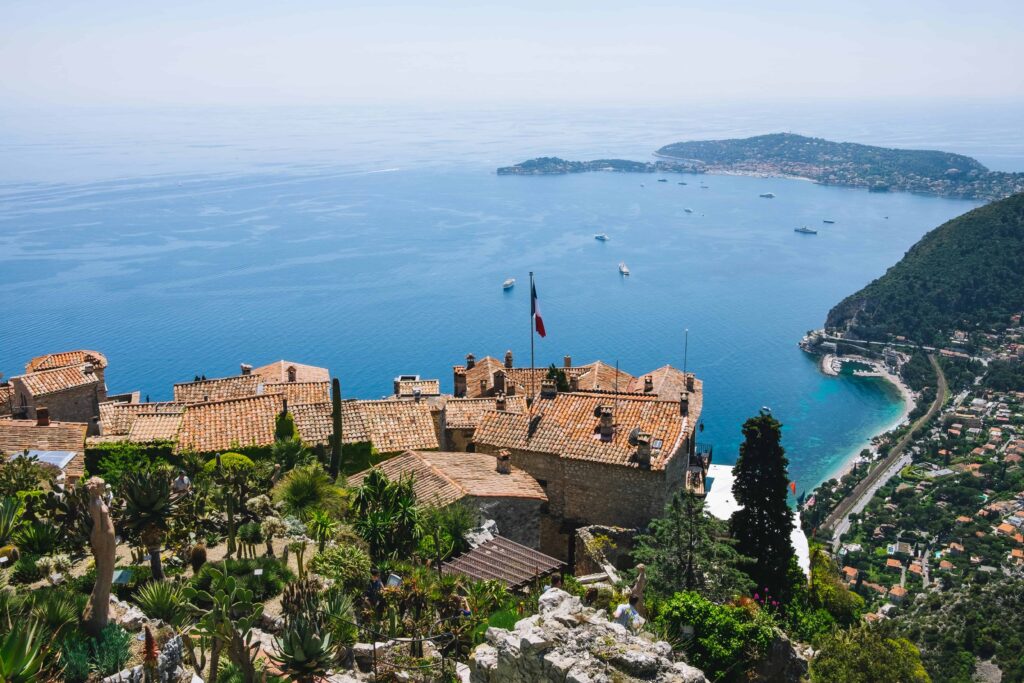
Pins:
x: 374, y: 241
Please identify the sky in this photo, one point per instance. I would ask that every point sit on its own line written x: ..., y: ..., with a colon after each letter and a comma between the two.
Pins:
x: 259, y: 52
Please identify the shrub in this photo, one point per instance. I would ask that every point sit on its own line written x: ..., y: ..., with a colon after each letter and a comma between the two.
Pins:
x: 163, y: 600
x: 229, y: 461
x: 110, y: 652
x: 349, y: 565
x: 250, y: 533
x: 37, y: 538
x: 25, y: 570
x: 267, y: 585
x: 74, y: 658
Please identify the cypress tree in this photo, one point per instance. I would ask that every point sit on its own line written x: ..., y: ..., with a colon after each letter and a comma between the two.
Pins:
x: 763, y: 526
x: 336, y: 433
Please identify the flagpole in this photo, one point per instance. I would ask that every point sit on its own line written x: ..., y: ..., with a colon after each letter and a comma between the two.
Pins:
x: 533, y: 378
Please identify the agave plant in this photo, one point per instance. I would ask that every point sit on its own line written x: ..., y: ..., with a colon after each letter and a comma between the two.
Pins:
x: 21, y: 654
x: 149, y: 506
x: 163, y: 600
x: 303, y: 650
x: 57, y: 611
x: 11, y: 519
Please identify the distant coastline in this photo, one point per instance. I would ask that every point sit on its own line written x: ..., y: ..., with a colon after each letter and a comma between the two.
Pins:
x: 786, y: 155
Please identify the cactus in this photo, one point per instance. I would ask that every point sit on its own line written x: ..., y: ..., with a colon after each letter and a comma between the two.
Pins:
x: 337, y: 430
x: 197, y: 557
x: 228, y: 623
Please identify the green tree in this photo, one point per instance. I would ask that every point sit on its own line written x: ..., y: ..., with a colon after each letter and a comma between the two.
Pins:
x: 336, y: 429
x: 688, y: 550
x: 558, y: 374
x: 386, y: 514
x: 863, y: 655
x: 284, y: 427
x: 308, y: 488
x: 763, y: 524
x: 149, y: 507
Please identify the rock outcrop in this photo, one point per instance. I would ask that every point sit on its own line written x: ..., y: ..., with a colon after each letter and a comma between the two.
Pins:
x: 569, y: 643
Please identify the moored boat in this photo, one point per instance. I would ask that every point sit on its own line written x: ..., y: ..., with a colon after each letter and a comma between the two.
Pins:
x: 767, y: 195
x: 805, y: 231
x: 509, y: 283
x: 623, y: 268
x: 688, y: 210
x: 601, y: 237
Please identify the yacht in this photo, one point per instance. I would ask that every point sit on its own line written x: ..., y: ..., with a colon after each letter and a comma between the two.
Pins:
x: 688, y: 210
x: 601, y: 237
x: 623, y: 268
x: 509, y: 283
x: 767, y: 195
x: 827, y: 221
x: 805, y: 231
x: 662, y: 180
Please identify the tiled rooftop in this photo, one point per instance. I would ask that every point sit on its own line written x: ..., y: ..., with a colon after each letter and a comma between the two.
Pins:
x: 66, y: 358
x: 117, y: 418
x: 503, y: 560
x: 466, y: 413
x: 217, y: 389
x: 278, y: 372
x: 441, y: 478
x: 6, y: 394
x: 155, y: 427
x: 567, y: 425
x: 17, y: 436
x: 395, y: 426
x: 223, y: 425
x: 603, y: 377
x: 300, y: 392
x: 313, y: 420
x: 406, y: 388
x: 43, y: 382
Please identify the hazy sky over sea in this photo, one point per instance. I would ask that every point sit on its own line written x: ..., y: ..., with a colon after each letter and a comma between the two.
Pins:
x: 581, y: 51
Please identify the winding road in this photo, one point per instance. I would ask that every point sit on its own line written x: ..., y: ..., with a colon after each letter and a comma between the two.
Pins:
x: 839, y: 521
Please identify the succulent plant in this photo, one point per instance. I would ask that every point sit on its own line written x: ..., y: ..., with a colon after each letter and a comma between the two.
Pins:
x: 303, y: 650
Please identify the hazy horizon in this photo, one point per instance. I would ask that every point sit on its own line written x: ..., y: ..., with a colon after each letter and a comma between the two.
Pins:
x: 595, y: 53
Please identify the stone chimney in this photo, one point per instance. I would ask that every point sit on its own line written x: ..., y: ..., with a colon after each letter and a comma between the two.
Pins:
x: 500, y: 403
x: 499, y: 381
x: 510, y: 388
x: 684, y: 404
x: 648, y: 384
x: 460, y: 382
x: 606, y: 426
x: 42, y: 416
x: 689, y: 381
x: 504, y: 462
x: 470, y: 361
x: 574, y: 383
x: 567, y: 361
x: 89, y: 368
x: 483, y: 387
x: 416, y: 392
x: 508, y: 359
x: 246, y: 369
x: 643, y: 450
x: 548, y: 388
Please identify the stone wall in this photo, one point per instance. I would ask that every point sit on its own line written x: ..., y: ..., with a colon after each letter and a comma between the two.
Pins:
x: 592, y: 551
x: 568, y: 643
x: 78, y: 404
x: 518, y: 519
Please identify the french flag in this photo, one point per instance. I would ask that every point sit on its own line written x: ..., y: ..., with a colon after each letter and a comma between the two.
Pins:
x: 538, y: 321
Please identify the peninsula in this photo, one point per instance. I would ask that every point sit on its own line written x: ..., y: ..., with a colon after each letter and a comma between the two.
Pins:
x: 557, y: 166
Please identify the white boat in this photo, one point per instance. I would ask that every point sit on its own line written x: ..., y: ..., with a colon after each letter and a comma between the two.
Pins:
x: 623, y: 268
x: 767, y: 195
x: 509, y: 283
x: 805, y: 231
x: 829, y: 221
x: 688, y: 210
x: 601, y: 237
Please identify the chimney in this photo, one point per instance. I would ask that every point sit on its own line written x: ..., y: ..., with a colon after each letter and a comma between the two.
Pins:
x: 574, y: 383
x: 508, y: 359
x: 510, y: 388
x: 689, y: 381
x: 483, y: 387
x: 470, y: 361
x: 460, y: 382
x: 648, y: 384
x: 416, y: 394
x: 684, y: 404
x: 499, y: 381
x: 246, y: 369
x: 42, y: 416
x: 500, y: 403
x: 606, y: 426
x: 567, y: 361
x: 548, y: 388
x: 504, y: 462
x: 643, y: 450
x: 88, y: 368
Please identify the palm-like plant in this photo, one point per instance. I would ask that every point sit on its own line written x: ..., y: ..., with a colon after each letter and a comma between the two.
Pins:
x: 322, y: 528
x: 21, y: 655
x: 11, y: 519
x: 291, y: 453
x: 163, y: 600
x: 57, y: 612
x: 308, y: 488
x: 388, y: 518
x: 149, y: 506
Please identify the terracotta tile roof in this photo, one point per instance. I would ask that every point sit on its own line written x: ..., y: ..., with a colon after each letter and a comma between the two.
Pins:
x: 300, y: 392
x: 6, y: 395
x: 667, y: 384
x: 43, y: 382
x: 66, y: 358
x: 219, y: 389
x: 155, y: 427
x: 222, y: 425
x: 278, y: 372
x: 600, y: 376
x: 441, y: 478
x: 117, y: 418
x: 482, y: 371
x: 407, y: 387
x: 567, y: 425
x: 503, y: 560
x: 395, y: 426
x: 898, y: 591
x: 466, y: 413
x: 313, y: 420
x: 17, y: 436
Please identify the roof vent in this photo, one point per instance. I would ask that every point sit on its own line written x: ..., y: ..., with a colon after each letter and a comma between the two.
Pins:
x: 500, y: 403
x: 470, y: 361
x: 633, y: 436
x: 88, y: 368
x: 246, y: 369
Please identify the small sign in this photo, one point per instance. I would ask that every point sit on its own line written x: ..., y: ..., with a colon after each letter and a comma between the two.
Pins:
x: 257, y: 572
x: 3, y: 560
x: 122, y: 576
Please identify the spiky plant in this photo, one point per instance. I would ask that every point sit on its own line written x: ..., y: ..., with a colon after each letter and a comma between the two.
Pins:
x: 163, y: 600
x: 303, y: 650
x: 11, y: 519
x: 149, y: 506
x: 57, y: 612
x: 22, y: 652
x: 322, y: 528
x: 228, y: 622
x: 308, y: 488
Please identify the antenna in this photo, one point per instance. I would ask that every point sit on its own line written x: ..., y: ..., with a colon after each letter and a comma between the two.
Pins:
x: 686, y: 347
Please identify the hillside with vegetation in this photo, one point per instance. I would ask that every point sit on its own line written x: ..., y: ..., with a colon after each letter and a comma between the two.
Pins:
x: 850, y: 164
x: 557, y: 166
x: 966, y: 274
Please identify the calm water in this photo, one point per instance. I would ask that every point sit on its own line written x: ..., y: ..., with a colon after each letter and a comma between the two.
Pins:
x: 375, y: 243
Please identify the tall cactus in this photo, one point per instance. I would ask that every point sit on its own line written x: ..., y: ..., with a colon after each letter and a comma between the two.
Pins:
x: 336, y: 435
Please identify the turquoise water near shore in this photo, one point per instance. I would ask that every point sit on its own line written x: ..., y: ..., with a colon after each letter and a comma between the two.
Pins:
x: 381, y: 263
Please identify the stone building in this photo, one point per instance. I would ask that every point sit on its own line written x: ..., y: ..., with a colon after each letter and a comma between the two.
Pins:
x: 287, y: 371
x: 602, y: 458
x: 489, y: 485
x: 458, y: 418
x: 69, y: 384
